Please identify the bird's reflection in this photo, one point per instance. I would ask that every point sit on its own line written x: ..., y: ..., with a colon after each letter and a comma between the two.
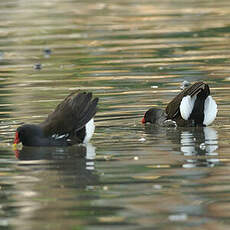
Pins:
x: 199, y: 141
x: 199, y: 144
x: 77, y: 161
x: 64, y: 174
x: 202, y: 141
x: 56, y: 153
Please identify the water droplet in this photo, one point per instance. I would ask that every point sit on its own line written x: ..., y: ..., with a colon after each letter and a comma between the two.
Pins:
x: 178, y: 217
x: 157, y: 186
x: 142, y: 139
x: 202, y: 146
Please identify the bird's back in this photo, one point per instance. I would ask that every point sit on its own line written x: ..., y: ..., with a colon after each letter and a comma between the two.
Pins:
x: 71, y: 115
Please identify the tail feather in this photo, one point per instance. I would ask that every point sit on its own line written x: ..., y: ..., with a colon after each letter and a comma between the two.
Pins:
x: 71, y: 114
x: 173, y: 108
x: 81, y: 103
x: 87, y: 113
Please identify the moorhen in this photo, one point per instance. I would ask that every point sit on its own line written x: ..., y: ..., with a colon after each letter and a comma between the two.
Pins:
x: 70, y: 123
x: 192, y: 107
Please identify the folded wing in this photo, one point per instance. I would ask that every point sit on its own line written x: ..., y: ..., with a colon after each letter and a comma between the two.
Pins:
x: 71, y: 114
x: 173, y: 108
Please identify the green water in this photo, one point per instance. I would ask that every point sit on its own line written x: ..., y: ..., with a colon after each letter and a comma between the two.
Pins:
x: 132, y: 55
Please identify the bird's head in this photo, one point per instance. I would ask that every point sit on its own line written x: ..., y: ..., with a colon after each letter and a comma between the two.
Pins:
x: 25, y: 132
x: 154, y: 116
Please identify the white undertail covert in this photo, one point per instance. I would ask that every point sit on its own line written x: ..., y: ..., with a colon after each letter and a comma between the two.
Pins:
x: 186, y: 106
x: 89, y: 129
x: 210, y: 110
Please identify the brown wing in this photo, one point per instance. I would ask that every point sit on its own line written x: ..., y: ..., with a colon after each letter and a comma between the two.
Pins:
x: 71, y: 114
x: 173, y: 108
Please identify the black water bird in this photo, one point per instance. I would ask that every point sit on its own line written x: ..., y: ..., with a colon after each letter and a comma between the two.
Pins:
x: 70, y: 123
x: 194, y: 106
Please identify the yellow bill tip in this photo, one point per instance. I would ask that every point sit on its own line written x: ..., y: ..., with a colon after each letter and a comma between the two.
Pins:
x: 14, y: 146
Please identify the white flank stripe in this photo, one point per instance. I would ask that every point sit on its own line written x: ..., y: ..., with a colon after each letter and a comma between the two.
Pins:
x: 210, y: 110
x: 89, y: 128
x: 186, y: 106
x: 59, y: 137
x: 56, y: 136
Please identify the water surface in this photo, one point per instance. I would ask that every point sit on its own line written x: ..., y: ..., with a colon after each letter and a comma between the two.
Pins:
x: 132, y: 55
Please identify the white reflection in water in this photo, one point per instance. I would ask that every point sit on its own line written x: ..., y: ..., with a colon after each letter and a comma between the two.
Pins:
x: 200, y: 142
x: 179, y: 217
x: 211, y: 141
x: 90, y: 155
x: 90, y: 151
x: 187, y: 143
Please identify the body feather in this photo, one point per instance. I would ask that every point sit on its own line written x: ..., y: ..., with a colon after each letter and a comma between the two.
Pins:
x: 71, y: 115
x: 66, y: 125
x: 191, y: 107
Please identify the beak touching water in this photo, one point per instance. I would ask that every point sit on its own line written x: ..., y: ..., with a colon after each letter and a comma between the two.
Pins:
x: 16, y: 139
x: 15, y: 146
